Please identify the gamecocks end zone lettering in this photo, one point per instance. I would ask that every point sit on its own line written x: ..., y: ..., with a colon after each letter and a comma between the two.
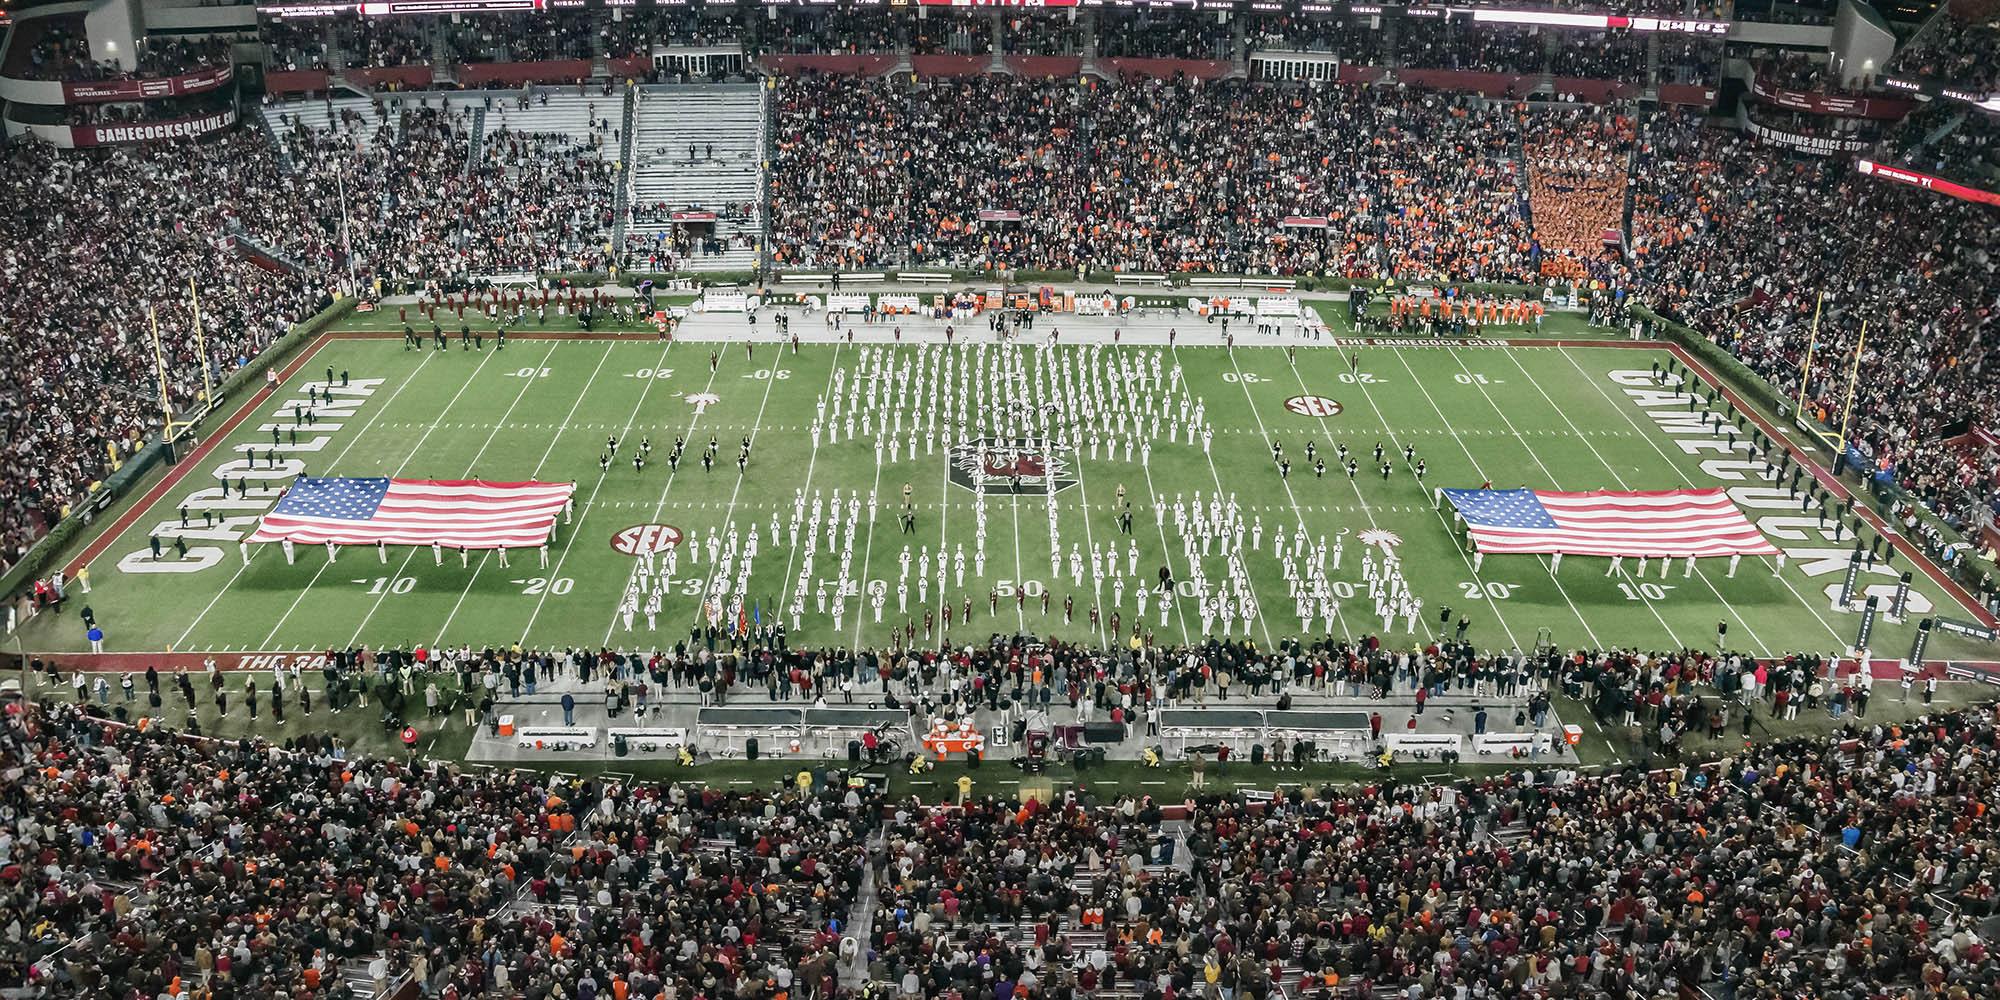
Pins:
x: 1018, y: 465
x: 642, y: 538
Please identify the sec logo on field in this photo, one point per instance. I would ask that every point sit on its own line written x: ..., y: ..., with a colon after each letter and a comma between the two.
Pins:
x: 643, y: 538
x: 1313, y: 406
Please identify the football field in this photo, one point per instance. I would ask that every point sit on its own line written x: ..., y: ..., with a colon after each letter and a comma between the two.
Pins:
x: 840, y: 431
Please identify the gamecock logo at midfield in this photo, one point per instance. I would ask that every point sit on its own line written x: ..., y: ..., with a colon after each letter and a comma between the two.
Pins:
x: 1018, y: 465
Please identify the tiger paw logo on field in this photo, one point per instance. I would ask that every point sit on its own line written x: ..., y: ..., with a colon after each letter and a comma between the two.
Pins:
x: 1384, y: 540
x: 1012, y: 465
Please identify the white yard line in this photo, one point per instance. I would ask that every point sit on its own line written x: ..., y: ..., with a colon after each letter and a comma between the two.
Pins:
x: 303, y: 591
x: 471, y: 469
x: 1649, y: 436
x: 537, y: 473
x: 1263, y: 621
x: 1459, y: 360
x: 1083, y: 495
x: 785, y: 584
x: 1396, y: 443
x: 373, y: 416
x: 1159, y: 524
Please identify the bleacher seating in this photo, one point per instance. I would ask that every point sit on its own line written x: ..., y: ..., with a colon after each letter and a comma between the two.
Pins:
x: 699, y: 147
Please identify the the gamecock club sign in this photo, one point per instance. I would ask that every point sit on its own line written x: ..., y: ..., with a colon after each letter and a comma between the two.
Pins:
x: 1013, y: 465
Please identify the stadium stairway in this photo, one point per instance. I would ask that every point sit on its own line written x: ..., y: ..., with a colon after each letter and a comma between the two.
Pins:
x: 861, y: 921
x: 478, y: 139
x: 668, y: 121
x: 277, y: 141
x: 621, y: 211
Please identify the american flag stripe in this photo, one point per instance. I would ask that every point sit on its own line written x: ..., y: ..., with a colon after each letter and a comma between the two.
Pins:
x: 454, y: 513
x: 1609, y: 523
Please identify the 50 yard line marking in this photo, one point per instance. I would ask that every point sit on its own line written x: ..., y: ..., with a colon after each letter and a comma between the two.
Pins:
x: 537, y: 474
x: 602, y: 474
x: 358, y: 435
x: 471, y: 469
x: 303, y: 591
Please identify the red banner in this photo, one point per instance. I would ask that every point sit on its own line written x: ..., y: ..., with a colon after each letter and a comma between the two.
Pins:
x: 1925, y: 181
x: 100, y: 91
x: 1828, y: 104
x: 862, y: 65
x: 143, y: 132
x: 999, y: 215
x: 1053, y: 67
x: 692, y: 216
x: 1304, y: 222
x: 1164, y: 69
x: 295, y: 81
x: 1687, y: 93
x: 1509, y: 85
x: 950, y: 65
x: 545, y: 71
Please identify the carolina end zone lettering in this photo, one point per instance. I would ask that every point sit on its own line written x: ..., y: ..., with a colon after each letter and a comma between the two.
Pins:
x: 1814, y: 550
x: 218, y: 515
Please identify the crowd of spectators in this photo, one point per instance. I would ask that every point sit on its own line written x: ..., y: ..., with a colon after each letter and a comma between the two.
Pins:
x: 1146, y: 175
x: 1346, y: 37
x: 560, y: 35
x: 96, y: 240
x: 1956, y: 52
x: 957, y: 33
x: 394, y: 41
x: 1146, y: 33
x: 1968, y: 151
x: 403, y: 166
x: 1025, y: 34
x: 1484, y: 49
x: 542, y: 202
x: 834, y: 30
x: 1577, y: 174
x: 636, y: 32
x: 375, y: 42
x: 1601, y: 55
x: 62, y: 52
x: 1786, y: 11
x: 146, y: 865
x: 1842, y: 865
x: 296, y: 43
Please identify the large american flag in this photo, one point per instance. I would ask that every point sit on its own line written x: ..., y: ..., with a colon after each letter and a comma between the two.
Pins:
x: 1609, y: 523
x: 465, y: 512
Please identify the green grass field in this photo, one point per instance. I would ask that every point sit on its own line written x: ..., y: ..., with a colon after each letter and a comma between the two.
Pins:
x: 1544, y: 417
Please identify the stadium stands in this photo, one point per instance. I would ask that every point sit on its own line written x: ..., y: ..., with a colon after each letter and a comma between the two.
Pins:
x: 1850, y: 863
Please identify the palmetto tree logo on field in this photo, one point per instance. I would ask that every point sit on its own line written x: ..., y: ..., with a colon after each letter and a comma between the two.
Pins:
x: 1381, y: 539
